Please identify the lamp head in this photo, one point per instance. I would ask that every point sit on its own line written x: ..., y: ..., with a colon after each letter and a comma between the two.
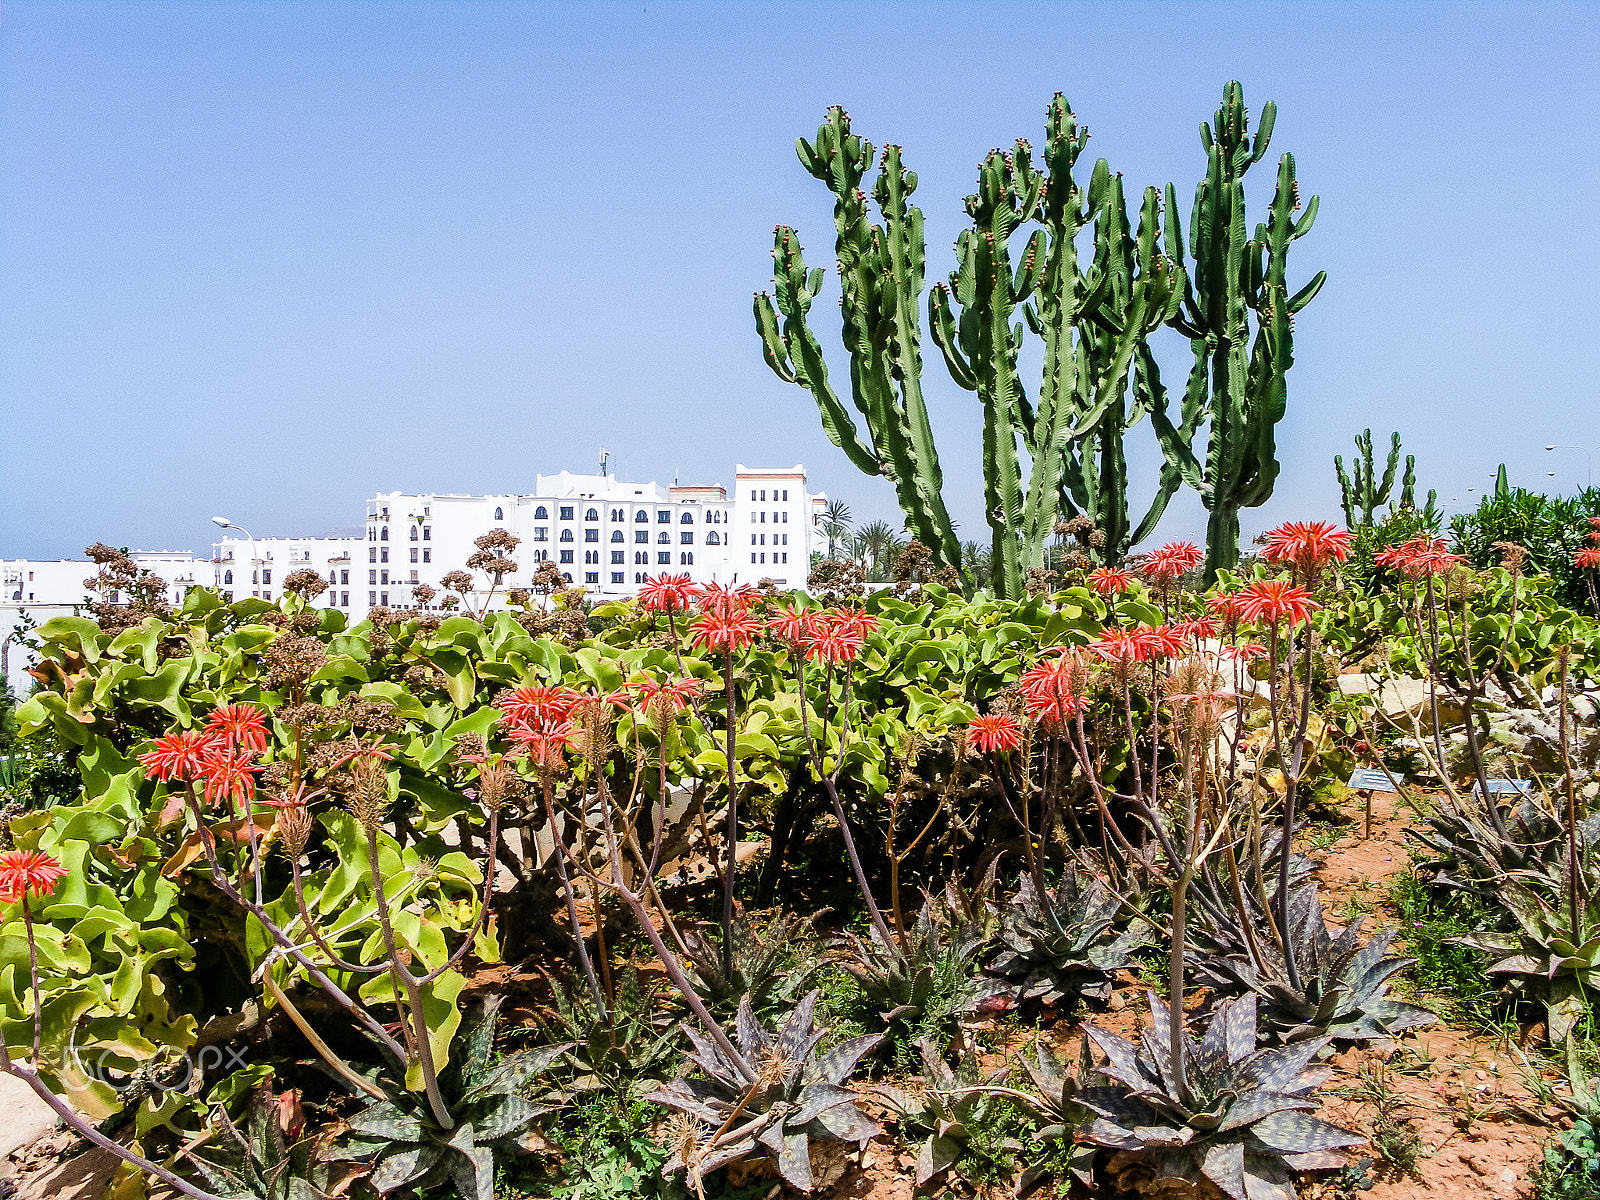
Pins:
x: 222, y: 521
x: 1549, y: 447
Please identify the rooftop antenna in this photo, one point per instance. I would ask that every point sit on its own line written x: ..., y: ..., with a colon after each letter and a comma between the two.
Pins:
x: 605, y: 458
x: 675, y: 476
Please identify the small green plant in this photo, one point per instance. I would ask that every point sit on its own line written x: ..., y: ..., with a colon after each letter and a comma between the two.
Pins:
x: 1393, y: 1136
x: 492, y: 1104
x: 770, y: 964
x: 1063, y: 944
x: 953, y: 1121
x: 624, y: 1050
x: 1444, y: 968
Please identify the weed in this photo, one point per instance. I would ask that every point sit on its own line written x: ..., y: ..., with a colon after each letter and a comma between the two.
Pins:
x: 1454, y: 973
x: 1392, y: 1134
x: 1571, y: 1166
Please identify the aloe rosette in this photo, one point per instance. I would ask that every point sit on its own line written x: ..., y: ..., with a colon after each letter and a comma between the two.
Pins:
x: 1240, y: 1117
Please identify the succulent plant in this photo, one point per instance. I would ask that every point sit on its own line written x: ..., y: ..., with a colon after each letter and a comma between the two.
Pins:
x: 1244, y: 1123
x: 1054, y: 1103
x: 621, y: 1050
x: 1544, y: 949
x: 797, y: 1095
x: 492, y: 1104
x: 925, y: 978
x: 261, y: 1161
x: 1064, y: 943
x: 944, y: 1113
x: 1472, y: 856
x: 761, y: 964
x: 1342, y: 993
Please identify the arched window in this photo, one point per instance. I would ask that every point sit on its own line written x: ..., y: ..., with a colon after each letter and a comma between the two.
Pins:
x: 413, y: 533
x: 227, y: 577
x: 499, y: 514
x: 688, y: 560
x: 616, y: 536
x: 566, y: 576
x: 384, y: 536
x: 592, y: 515
x: 712, y: 539
x: 566, y: 535
x: 541, y: 513
x: 664, y: 537
x: 687, y: 518
x: 641, y: 557
x: 641, y: 515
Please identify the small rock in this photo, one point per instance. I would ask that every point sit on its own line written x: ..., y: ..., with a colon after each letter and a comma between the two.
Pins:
x: 1508, y: 1176
x: 1116, y: 1003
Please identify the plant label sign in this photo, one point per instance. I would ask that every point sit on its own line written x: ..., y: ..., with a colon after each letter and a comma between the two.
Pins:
x: 1510, y: 787
x: 1370, y: 781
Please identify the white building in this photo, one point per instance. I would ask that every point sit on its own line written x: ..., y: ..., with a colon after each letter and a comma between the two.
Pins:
x: 604, y: 534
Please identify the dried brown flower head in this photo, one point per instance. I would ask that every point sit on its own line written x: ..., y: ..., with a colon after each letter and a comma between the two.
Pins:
x: 289, y: 662
x: 458, y: 581
x: 368, y: 796
x: 423, y: 593
x: 294, y: 830
x: 305, y: 582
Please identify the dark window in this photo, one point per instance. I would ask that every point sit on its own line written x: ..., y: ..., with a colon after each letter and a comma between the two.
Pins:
x: 592, y: 515
x: 567, y: 576
x: 591, y: 535
x: 372, y: 554
x: 616, y: 535
x: 427, y: 533
x: 713, y: 540
x: 414, y: 555
x: 641, y: 515
x: 499, y: 514
x: 687, y: 538
x: 566, y: 535
x: 664, y: 516
x: 384, y: 536
x: 686, y: 560
x: 618, y: 515
x: 687, y: 519
x: 384, y: 577
x: 541, y: 513
x: 641, y: 558
x: 566, y: 512
x: 618, y: 577
x: 591, y: 576
x: 413, y: 533
x: 619, y: 556
x: 566, y: 556
x: 427, y: 554
x: 664, y: 537
x: 344, y: 599
x: 541, y: 533
x: 344, y: 578
x: 384, y: 597
x: 664, y: 559
x: 641, y: 535
x: 266, y: 576
x: 227, y: 577
x: 383, y: 555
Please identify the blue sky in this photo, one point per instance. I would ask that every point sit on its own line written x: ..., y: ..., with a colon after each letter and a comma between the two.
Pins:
x: 265, y: 259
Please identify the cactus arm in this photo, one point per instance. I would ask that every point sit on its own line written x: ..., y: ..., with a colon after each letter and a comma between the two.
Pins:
x: 1347, y: 491
x: 1308, y: 293
x: 1386, y: 485
x: 943, y: 327
x: 1408, y: 483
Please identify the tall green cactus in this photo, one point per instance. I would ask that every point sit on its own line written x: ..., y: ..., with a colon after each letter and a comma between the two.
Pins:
x: 1362, y: 491
x: 881, y: 275
x: 1237, y: 386
x: 1093, y: 326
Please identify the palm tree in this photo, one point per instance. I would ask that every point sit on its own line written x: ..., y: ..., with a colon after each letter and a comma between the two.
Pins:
x: 835, y: 523
x: 876, y: 547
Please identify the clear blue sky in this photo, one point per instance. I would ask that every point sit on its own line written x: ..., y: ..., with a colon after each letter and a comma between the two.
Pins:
x: 265, y: 259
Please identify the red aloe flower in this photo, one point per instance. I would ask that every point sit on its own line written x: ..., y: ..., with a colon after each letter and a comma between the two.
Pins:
x: 725, y: 600
x: 1196, y: 630
x: 1419, y: 558
x: 678, y: 692
x: 1049, y: 693
x: 666, y: 593
x: 528, y: 705
x: 177, y: 756
x: 1227, y: 606
x: 995, y: 733
x: 856, y: 621
x: 796, y: 626
x: 241, y: 726
x: 544, y: 741
x: 724, y: 631
x: 1172, y: 560
x: 1307, y: 545
x: 1160, y: 641
x: 229, y: 774
x: 1271, y: 600
x: 1110, y: 581
x: 1244, y: 652
x: 1587, y: 559
x: 835, y: 640
x: 1119, y: 645
x: 23, y: 871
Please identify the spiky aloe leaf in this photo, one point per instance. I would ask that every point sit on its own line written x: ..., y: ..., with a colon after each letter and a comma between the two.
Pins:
x: 471, y: 1166
x: 405, y: 1165
x: 837, y: 1064
x: 1299, y: 1133
x: 387, y: 1121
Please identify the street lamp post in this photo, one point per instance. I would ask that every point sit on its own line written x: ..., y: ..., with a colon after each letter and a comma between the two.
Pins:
x: 224, y: 523
x: 1585, y: 450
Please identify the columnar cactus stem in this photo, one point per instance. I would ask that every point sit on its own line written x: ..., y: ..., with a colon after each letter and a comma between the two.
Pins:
x: 1362, y: 491
x: 1237, y: 383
